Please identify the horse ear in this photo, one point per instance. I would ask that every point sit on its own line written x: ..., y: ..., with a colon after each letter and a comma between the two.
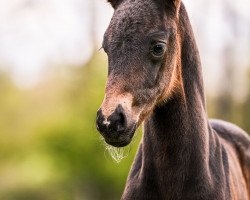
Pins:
x: 114, y: 3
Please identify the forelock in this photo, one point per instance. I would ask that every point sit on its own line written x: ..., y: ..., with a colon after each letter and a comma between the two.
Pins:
x: 135, y: 16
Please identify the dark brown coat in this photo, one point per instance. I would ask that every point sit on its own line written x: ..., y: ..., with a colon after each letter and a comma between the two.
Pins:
x: 182, y: 155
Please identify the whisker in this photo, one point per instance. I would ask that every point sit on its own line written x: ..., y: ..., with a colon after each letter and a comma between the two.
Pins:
x: 116, y: 153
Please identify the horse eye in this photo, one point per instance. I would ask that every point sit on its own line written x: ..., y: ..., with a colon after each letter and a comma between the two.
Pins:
x: 158, y: 49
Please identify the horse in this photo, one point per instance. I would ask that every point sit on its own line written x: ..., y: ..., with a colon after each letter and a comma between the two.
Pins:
x: 155, y: 78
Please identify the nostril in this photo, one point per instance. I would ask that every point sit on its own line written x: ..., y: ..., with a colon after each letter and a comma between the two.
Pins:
x: 122, y: 118
x: 99, y: 112
x: 99, y: 117
x: 99, y: 121
x: 113, y: 125
x: 122, y: 122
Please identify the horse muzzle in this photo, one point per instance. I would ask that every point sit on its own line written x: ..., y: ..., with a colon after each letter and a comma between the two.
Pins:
x: 117, y: 129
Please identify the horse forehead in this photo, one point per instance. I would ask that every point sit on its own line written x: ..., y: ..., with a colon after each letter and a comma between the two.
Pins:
x: 134, y: 7
x: 135, y: 16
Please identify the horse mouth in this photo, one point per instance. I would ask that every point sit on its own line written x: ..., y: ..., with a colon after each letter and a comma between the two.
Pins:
x: 123, y: 140
x: 118, y: 144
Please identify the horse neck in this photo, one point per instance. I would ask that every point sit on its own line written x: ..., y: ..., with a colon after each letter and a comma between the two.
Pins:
x: 176, y: 135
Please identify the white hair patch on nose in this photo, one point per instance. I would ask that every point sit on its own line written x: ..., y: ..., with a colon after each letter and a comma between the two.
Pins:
x: 106, y: 122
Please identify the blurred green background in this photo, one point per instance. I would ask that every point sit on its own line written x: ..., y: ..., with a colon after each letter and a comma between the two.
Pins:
x: 49, y: 147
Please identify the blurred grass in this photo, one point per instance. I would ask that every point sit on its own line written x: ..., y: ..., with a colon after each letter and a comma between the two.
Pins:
x: 49, y: 147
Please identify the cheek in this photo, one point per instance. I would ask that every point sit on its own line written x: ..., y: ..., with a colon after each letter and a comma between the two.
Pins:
x: 144, y: 102
x: 160, y: 72
x: 145, y: 113
x: 145, y: 96
x: 154, y: 71
x: 171, y: 84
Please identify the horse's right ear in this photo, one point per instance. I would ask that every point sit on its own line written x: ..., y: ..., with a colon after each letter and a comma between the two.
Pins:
x: 114, y: 3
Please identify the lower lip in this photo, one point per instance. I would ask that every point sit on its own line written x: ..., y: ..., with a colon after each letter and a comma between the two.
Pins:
x: 123, y: 143
x: 117, y: 144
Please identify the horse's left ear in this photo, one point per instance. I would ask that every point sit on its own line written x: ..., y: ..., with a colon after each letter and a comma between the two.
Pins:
x: 114, y: 3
